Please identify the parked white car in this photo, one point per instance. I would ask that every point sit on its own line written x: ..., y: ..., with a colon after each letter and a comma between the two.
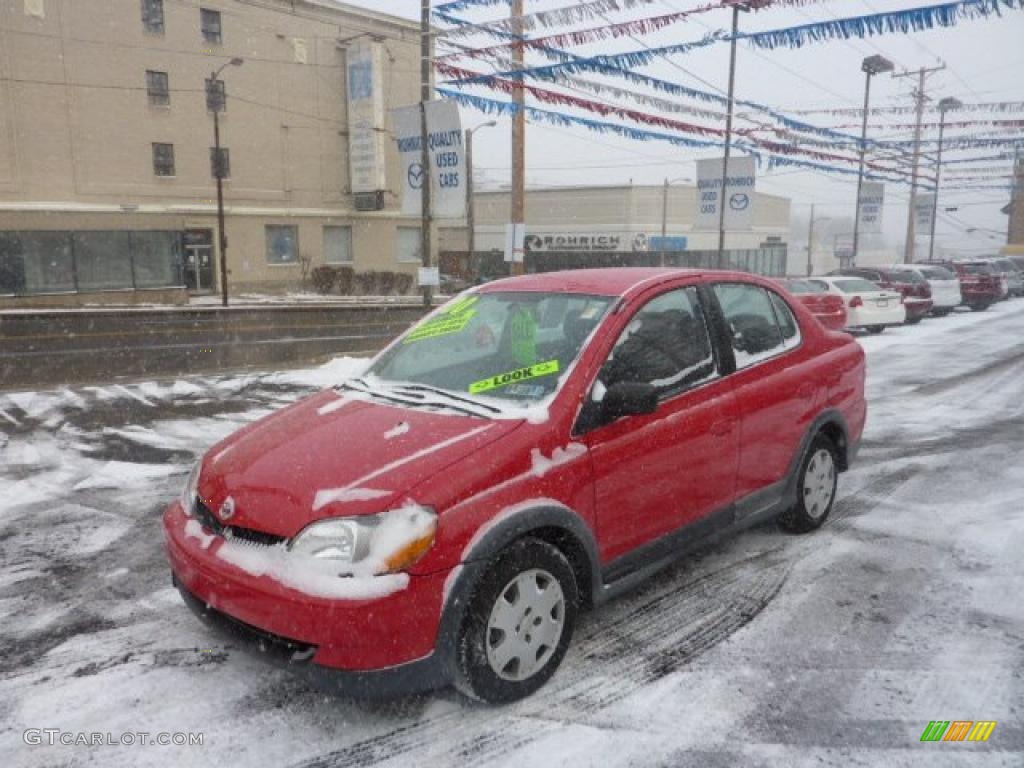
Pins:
x: 944, y: 283
x: 867, y: 306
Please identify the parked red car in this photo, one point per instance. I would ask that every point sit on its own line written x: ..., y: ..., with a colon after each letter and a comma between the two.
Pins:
x: 533, y: 447
x: 828, y: 308
x: 917, y: 294
x: 980, y: 285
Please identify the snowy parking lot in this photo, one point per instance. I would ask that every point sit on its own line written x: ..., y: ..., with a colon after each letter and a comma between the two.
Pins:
x: 835, y: 648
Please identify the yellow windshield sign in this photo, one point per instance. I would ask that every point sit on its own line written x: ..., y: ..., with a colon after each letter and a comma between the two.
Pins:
x: 450, y: 319
x: 522, y: 374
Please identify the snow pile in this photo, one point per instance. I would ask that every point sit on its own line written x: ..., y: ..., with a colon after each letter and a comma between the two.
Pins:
x: 542, y: 464
x: 126, y: 474
x: 331, y: 495
x: 330, y: 374
x: 333, y: 579
x: 397, y: 431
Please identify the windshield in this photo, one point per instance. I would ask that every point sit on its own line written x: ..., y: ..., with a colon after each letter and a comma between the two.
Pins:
x: 506, y: 345
x: 855, y: 285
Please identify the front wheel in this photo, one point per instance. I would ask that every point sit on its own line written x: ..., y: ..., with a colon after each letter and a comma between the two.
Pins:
x: 518, y: 623
x: 816, y: 488
x: 875, y: 328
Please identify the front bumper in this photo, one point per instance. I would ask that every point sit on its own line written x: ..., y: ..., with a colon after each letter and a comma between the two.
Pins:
x: 357, y: 636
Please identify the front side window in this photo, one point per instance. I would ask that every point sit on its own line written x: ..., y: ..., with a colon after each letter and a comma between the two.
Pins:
x: 510, y: 345
x: 666, y: 344
x: 282, y: 244
x: 153, y: 16
x: 158, y: 89
x: 754, y: 329
x: 163, y: 159
x: 209, y: 21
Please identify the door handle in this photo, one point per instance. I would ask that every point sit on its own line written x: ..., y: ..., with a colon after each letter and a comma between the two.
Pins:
x: 722, y: 428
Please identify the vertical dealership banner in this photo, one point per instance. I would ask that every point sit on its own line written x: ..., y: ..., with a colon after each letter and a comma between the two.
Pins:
x: 870, y: 206
x: 923, y: 205
x: 447, y: 159
x: 738, y: 197
x: 366, y: 134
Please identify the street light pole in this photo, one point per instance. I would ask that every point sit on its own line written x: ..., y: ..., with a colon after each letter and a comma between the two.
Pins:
x: 872, y: 65
x: 215, y: 100
x: 944, y: 106
x: 470, y: 202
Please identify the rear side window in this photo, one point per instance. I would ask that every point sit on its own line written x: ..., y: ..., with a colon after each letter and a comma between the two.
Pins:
x: 937, y: 273
x: 787, y: 323
x: 907, y: 276
x: 666, y: 344
x: 753, y: 324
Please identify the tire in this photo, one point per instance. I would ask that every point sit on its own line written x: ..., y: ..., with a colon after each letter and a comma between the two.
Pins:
x: 875, y: 328
x: 484, y: 671
x: 979, y: 307
x: 816, y: 488
x: 912, y: 320
x: 944, y: 312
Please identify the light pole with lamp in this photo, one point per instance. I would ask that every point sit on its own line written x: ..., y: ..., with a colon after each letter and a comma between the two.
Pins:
x: 215, y: 102
x: 871, y: 66
x: 944, y: 106
x: 664, y: 214
x: 470, y: 203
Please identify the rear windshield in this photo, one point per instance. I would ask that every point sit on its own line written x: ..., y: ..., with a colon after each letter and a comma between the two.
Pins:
x: 907, y: 276
x: 804, y: 286
x: 855, y: 285
x: 978, y: 269
x: 937, y: 273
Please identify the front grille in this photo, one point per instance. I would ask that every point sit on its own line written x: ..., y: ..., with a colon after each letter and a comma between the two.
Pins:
x: 251, y: 535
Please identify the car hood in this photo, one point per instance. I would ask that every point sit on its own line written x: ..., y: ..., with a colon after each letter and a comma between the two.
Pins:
x: 332, y: 456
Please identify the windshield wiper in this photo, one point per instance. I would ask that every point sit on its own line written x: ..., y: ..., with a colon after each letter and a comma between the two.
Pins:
x: 449, y: 395
x: 413, y: 398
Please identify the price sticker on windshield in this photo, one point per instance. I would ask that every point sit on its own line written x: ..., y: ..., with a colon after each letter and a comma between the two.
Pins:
x: 512, y: 377
x: 451, y: 319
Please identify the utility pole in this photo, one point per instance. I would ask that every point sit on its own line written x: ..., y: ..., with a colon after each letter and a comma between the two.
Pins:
x: 470, y: 202
x: 426, y: 219
x: 215, y: 102
x: 810, y: 244
x: 944, y: 106
x: 871, y: 66
x: 920, y: 97
x: 664, y: 220
x: 722, y: 202
x: 518, y: 212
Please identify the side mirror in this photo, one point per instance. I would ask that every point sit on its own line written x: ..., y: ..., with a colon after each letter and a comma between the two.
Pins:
x: 629, y: 398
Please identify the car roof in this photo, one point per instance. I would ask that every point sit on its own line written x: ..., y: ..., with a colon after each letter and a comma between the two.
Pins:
x: 603, y: 281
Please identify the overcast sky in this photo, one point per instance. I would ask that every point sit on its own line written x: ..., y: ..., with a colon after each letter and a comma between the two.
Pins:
x: 984, y: 59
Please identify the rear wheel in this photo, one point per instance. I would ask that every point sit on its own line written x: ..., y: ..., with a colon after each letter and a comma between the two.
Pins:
x: 875, y: 328
x: 518, y: 624
x: 816, y: 487
x: 980, y: 307
x: 942, y: 312
x: 913, y: 320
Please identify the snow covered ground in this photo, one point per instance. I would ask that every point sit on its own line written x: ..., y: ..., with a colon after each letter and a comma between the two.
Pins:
x: 836, y: 648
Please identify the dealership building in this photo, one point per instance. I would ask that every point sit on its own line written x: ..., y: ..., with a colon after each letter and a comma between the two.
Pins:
x: 594, y: 226
x: 107, y: 163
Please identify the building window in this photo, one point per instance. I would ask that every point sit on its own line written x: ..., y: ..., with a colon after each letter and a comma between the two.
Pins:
x: 410, y: 250
x: 282, y: 244
x: 158, y: 88
x: 163, y: 159
x: 153, y: 16
x: 103, y: 260
x: 216, y: 95
x: 338, y: 245
x: 220, y: 168
x: 209, y: 21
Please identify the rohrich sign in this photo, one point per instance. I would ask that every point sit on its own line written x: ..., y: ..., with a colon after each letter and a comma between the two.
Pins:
x: 574, y: 242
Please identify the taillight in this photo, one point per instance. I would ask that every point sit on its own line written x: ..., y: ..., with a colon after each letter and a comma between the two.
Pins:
x: 856, y: 301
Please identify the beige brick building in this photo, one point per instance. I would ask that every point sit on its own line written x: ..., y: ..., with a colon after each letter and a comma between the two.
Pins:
x: 106, y: 163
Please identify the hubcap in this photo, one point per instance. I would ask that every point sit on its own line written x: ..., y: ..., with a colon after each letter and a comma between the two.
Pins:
x: 819, y: 483
x: 525, y: 625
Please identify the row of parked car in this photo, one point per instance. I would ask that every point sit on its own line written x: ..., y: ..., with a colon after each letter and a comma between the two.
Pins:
x: 875, y: 298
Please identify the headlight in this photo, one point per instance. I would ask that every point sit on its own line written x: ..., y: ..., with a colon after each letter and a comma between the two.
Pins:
x: 191, y: 489
x: 373, y: 544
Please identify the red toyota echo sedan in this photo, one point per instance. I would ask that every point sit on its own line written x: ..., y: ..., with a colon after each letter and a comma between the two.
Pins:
x: 533, y: 447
